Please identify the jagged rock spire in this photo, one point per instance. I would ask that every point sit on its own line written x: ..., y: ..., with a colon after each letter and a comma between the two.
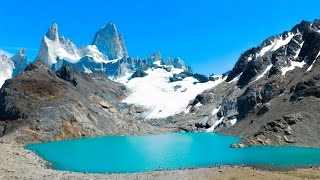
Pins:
x: 52, y: 33
x: 110, y: 42
x: 20, y: 62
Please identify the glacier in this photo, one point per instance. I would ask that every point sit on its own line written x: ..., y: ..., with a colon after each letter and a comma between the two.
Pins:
x: 159, y: 96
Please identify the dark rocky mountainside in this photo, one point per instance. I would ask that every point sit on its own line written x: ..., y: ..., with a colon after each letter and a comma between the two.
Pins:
x: 42, y: 105
x: 286, y: 111
x: 272, y: 93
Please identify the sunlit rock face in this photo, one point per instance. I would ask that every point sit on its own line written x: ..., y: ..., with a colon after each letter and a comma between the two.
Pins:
x: 53, y: 50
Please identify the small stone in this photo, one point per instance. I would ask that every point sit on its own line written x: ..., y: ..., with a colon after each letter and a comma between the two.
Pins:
x: 288, y: 131
x: 10, y: 170
x: 288, y: 140
x: 105, y: 104
x: 264, y: 108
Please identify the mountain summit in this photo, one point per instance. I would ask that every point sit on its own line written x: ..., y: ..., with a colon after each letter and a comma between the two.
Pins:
x: 12, y: 66
x: 107, y: 54
x: 110, y: 42
x: 52, y: 33
x: 54, y: 50
x: 20, y: 62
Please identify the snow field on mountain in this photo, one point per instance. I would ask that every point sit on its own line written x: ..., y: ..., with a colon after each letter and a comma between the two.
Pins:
x: 160, y: 97
x: 294, y: 64
x: 276, y: 44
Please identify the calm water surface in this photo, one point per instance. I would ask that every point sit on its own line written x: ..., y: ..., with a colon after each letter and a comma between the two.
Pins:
x: 128, y: 154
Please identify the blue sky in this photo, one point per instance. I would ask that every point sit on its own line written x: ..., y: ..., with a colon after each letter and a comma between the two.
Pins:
x: 209, y: 35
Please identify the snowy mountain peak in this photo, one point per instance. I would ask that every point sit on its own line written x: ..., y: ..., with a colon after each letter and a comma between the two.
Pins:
x: 265, y: 58
x: 52, y: 33
x: 10, y: 67
x: 107, y: 54
x: 301, y: 27
x: 111, y: 27
x: 110, y: 42
x: 6, y: 68
x: 316, y: 25
x: 20, y: 62
x: 22, y: 52
x: 54, y: 50
x: 153, y: 57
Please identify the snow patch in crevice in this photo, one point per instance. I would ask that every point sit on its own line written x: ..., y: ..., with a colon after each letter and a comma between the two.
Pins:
x: 298, y: 51
x: 187, y: 110
x: 198, y: 104
x: 311, y: 66
x: 86, y: 70
x: 92, y: 51
x: 276, y: 44
x: 235, y: 79
x: 215, y: 111
x: 264, y: 72
x: 158, y: 63
x: 293, y: 65
x: 233, y: 121
x: 211, y: 129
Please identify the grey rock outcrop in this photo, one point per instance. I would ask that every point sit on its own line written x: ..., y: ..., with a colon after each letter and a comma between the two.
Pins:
x: 138, y: 73
x: 178, y: 63
x: 156, y: 56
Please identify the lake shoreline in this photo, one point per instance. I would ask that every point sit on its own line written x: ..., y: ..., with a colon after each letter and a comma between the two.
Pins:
x: 19, y: 163
x: 178, y: 151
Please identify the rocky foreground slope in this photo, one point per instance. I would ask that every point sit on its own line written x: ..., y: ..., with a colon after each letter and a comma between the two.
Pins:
x: 42, y: 105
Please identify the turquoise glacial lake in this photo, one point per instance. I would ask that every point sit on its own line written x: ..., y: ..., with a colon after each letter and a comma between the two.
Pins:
x: 129, y: 154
